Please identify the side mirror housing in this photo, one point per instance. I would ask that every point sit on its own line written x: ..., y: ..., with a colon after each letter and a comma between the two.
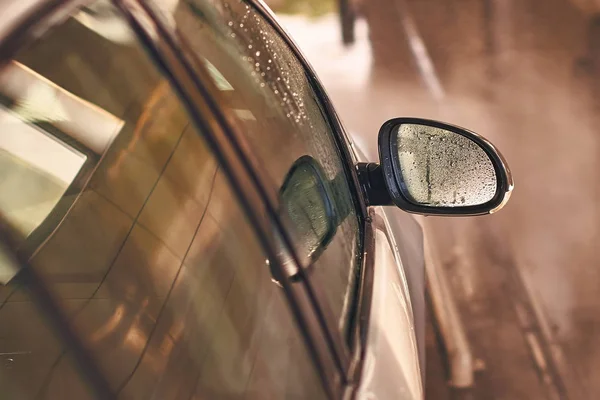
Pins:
x: 432, y: 168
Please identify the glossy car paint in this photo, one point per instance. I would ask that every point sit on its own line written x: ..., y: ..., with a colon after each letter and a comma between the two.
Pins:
x: 386, y: 296
x: 408, y: 236
x: 390, y: 365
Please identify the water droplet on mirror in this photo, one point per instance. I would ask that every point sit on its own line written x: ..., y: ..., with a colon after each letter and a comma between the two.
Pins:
x: 257, y: 53
x: 230, y: 23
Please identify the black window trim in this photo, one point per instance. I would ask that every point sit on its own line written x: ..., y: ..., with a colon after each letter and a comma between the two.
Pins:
x: 359, y: 313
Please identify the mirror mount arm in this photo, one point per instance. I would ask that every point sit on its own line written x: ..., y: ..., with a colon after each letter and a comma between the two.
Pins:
x: 372, y: 183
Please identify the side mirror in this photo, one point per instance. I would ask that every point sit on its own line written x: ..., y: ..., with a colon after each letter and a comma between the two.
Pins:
x: 432, y: 168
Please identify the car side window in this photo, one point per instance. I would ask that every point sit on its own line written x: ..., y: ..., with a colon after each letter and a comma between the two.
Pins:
x: 132, y: 225
x: 266, y: 87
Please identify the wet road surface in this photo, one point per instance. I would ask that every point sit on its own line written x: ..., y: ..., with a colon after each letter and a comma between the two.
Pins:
x: 526, y: 280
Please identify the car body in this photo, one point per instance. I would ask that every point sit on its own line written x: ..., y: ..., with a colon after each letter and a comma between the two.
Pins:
x: 160, y: 159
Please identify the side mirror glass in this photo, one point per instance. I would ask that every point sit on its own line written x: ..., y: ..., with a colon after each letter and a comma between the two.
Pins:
x: 434, y: 168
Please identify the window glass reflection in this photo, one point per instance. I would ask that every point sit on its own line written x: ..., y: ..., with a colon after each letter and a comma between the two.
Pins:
x: 153, y: 259
x: 282, y: 120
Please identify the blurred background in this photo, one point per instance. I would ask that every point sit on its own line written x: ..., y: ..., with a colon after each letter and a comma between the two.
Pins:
x: 525, y: 74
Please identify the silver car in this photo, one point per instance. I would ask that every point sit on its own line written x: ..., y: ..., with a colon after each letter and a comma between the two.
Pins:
x: 184, y: 217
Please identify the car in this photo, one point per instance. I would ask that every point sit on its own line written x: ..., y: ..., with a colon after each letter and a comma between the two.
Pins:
x: 184, y: 217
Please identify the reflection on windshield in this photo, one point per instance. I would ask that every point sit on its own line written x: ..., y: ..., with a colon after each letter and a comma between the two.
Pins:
x: 306, y: 200
x: 50, y: 141
x: 308, y: 203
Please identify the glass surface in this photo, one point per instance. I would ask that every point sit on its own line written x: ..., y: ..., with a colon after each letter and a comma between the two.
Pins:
x: 47, y: 166
x: 307, y: 203
x: 277, y: 110
x: 441, y: 168
x: 154, y: 262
